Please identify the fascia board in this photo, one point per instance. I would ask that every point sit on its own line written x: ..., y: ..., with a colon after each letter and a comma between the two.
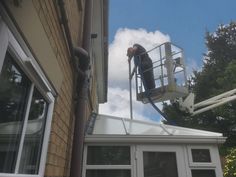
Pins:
x: 171, y: 139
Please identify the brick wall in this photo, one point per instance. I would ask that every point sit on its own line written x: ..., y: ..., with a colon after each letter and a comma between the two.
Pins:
x: 60, y: 145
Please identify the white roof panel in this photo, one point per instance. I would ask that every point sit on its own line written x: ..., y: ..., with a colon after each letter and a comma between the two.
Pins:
x: 110, y: 125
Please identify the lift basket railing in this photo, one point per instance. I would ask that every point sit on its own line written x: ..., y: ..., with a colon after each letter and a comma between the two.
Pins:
x: 169, y: 74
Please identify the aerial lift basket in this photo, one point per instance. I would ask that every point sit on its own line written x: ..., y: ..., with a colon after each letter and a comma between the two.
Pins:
x: 169, y: 75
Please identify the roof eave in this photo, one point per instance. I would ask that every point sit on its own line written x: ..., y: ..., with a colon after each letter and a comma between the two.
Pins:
x: 100, y: 47
x: 152, y: 139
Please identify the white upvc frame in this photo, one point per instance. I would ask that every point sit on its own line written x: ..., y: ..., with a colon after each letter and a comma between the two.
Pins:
x: 31, y: 68
x: 203, y: 164
x: 3, y: 43
x: 213, y: 165
x: 182, y: 151
x: 131, y: 167
x: 25, y: 123
x: 178, y: 150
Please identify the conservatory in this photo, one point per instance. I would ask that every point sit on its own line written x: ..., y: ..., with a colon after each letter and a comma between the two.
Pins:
x: 120, y: 147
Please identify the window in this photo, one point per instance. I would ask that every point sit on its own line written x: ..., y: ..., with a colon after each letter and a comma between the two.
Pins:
x: 108, y: 155
x: 108, y: 173
x: 160, y: 161
x: 202, y: 162
x: 25, y: 110
x: 14, y: 89
x: 160, y: 164
x: 148, y: 160
x: 106, y: 161
x: 201, y: 155
x: 203, y: 173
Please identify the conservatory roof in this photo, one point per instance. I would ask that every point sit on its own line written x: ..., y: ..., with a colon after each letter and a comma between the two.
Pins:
x: 105, y: 126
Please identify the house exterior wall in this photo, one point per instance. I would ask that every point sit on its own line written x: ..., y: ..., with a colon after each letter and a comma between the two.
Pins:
x: 48, y: 44
x: 60, y: 144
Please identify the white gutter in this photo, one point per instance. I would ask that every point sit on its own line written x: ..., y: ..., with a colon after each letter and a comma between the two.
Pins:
x: 152, y: 139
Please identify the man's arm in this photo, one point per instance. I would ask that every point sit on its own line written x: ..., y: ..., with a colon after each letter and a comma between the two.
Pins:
x: 130, y: 53
x: 134, y: 70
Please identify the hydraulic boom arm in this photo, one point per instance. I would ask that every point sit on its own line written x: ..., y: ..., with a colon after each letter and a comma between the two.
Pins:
x: 188, y: 104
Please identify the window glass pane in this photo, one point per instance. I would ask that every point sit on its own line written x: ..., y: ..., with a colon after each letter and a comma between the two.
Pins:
x: 160, y: 164
x: 108, y: 155
x: 108, y: 173
x: 14, y: 89
x: 201, y: 155
x: 203, y: 173
x: 33, y: 141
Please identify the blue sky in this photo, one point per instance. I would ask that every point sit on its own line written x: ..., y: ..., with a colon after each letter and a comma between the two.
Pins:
x: 184, y: 22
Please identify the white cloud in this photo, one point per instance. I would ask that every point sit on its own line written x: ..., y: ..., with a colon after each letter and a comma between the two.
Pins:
x: 119, y: 105
x: 118, y: 90
x: 124, y: 38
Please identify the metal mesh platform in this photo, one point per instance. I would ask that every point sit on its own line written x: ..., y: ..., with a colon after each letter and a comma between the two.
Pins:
x: 162, y: 94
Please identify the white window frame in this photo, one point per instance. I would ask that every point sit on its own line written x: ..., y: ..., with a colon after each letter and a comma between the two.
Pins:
x: 202, y: 164
x: 130, y: 167
x: 213, y: 165
x: 178, y: 150
x: 183, y: 153
x: 31, y: 68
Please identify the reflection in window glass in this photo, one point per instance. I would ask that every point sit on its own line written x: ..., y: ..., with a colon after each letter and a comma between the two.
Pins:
x: 201, y: 155
x: 14, y: 89
x: 34, y: 135
x: 108, y: 155
x: 160, y: 164
x: 108, y: 173
x: 203, y: 173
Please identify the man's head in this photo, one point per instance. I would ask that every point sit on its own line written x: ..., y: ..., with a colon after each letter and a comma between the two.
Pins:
x: 130, y: 52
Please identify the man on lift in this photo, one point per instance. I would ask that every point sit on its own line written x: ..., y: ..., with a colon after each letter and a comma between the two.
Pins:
x: 144, y: 64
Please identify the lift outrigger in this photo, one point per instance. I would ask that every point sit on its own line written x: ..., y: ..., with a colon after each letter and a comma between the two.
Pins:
x: 171, y: 82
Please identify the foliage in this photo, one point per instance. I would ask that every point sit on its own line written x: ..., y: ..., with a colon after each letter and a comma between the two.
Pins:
x: 230, y: 165
x: 218, y: 75
x: 13, y: 92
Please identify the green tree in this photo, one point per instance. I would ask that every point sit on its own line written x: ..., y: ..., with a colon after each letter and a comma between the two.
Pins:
x: 230, y: 164
x: 218, y: 75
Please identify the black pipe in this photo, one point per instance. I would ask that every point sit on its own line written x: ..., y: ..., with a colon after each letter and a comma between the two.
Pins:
x: 81, y: 82
x: 79, y: 126
x: 87, y: 25
x: 83, y: 87
x: 83, y: 56
x: 64, y: 22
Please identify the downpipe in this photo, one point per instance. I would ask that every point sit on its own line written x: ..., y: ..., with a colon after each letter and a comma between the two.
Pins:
x: 80, y: 60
